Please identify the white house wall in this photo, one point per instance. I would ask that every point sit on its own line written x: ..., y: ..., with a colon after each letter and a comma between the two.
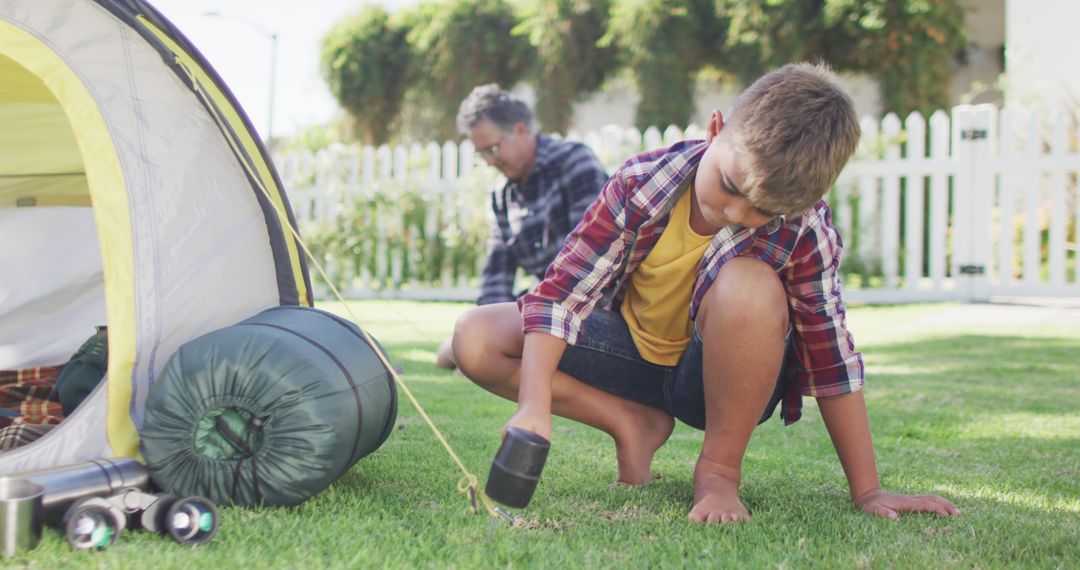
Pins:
x: 1040, y: 58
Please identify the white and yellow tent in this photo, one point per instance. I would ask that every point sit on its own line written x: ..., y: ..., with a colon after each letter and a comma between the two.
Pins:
x: 133, y: 193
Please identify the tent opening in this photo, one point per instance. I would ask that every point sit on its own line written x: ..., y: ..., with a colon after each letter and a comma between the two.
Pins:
x: 52, y: 295
x: 104, y: 102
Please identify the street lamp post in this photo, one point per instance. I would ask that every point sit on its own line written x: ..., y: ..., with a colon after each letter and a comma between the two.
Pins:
x: 273, y: 84
x: 272, y: 36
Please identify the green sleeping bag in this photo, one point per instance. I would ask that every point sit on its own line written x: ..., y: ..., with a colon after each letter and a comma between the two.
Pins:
x: 269, y: 411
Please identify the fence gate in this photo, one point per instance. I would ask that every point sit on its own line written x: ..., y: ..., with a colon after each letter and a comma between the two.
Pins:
x: 988, y: 202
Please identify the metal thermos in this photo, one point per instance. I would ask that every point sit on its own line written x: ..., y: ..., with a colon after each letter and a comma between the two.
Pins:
x: 96, y: 478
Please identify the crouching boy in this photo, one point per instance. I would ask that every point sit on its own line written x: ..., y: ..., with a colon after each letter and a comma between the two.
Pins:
x: 702, y: 285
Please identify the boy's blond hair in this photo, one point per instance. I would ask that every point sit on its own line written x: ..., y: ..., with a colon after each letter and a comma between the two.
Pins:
x: 795, y: 128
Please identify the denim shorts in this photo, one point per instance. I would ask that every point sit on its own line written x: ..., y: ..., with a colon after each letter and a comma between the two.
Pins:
x: 605, y: 357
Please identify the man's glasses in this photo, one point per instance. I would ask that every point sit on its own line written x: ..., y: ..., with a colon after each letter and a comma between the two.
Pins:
x: 491, y: 151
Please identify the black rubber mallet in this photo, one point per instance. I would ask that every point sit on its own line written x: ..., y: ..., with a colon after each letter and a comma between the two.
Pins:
x: 517, y: 467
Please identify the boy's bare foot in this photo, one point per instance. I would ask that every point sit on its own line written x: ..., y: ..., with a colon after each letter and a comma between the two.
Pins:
x: 716, y: 496
x: 636, y: 446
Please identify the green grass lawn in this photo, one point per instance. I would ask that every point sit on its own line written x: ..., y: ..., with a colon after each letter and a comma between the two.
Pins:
x: 986, y: 415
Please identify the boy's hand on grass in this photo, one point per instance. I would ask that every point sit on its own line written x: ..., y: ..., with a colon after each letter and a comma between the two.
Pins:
x: 890, y: 506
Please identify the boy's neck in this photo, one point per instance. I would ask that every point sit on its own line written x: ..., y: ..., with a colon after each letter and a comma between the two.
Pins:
x: 698, y: 223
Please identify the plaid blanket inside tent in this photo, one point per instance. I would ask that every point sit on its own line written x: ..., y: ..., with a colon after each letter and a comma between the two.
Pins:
x: 26, y: 412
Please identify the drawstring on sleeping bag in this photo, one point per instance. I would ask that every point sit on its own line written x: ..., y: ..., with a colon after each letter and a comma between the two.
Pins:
x: 242, y: 446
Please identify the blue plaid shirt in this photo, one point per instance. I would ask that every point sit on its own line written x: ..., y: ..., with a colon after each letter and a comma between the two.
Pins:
x: 531, y: 221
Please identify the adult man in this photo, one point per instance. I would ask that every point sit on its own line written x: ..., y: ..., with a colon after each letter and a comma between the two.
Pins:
x: 549, y: 184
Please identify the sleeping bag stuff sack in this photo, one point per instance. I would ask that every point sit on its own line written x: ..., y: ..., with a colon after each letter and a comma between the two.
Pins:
x: 270, y: 411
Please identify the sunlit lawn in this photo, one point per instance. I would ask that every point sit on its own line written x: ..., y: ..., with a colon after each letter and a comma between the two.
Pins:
x: 985, y: 415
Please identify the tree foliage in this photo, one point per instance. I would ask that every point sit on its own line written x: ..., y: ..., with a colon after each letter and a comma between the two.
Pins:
x: 428, y: 59
x: 571, y: 63
x: 765, y: 35
x: 665, y: 44
x: 460, y: 44
x: 908, y: 46
x: 366, y: 61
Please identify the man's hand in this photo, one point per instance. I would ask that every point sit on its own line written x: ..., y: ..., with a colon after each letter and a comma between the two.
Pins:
x: 526, y: 418
x: 890, y: 506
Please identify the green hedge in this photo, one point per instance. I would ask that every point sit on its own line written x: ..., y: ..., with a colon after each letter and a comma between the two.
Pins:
x: 394, y: 220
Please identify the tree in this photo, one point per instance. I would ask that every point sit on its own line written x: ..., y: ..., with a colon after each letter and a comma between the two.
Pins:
x: 665, y: 43
x: 408, y: 74
x: 366, y: 61
x: 762, y: 36
x: 460, y: 44
x: 908, y: 46
x: 570, y: 62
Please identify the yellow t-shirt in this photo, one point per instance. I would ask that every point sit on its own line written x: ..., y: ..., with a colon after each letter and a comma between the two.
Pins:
x: 656, y: 305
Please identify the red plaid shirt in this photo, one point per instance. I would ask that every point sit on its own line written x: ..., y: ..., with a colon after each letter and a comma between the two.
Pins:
x: 625, y: 222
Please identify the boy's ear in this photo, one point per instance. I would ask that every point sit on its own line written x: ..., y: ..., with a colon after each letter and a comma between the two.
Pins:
x: 716, y: 123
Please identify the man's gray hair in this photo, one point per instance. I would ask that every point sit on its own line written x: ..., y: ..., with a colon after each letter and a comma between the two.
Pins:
x: 489, y: 102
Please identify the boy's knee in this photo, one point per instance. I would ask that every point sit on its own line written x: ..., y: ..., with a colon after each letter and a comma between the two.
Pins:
x: 481, y: 333
x: 468, y: 334
x: 746, y: 291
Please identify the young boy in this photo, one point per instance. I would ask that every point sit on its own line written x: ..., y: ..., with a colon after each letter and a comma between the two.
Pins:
x: 701, y: 285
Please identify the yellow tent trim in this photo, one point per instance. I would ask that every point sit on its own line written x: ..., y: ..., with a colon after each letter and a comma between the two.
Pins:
x: 262, y: 171
x: 111, y: 214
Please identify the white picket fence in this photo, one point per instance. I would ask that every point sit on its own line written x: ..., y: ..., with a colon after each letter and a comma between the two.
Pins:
x: 978, y: 203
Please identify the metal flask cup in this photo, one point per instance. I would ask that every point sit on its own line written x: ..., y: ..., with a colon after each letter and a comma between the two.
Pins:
x: 517, y: 467
x: 21, y: 515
